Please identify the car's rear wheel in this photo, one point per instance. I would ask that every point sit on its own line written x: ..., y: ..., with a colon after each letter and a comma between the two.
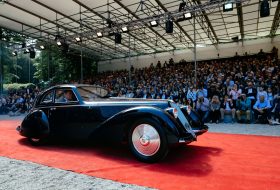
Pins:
x: 147, y: 141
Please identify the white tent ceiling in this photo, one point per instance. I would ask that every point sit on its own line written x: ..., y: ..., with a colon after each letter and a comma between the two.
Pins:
x: 213, y: 26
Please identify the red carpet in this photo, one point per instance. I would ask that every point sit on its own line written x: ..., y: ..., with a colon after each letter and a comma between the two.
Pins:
x: 216, y: 161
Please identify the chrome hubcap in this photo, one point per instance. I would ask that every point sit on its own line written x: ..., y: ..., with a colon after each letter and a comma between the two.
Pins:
x: 145, y: 139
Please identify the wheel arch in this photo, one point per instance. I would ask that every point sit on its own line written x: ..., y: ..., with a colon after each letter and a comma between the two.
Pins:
x: 125, y: 119
x: 35, y: 125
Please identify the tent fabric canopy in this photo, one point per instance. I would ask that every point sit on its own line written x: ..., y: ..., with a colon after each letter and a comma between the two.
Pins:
x: 43, y: 20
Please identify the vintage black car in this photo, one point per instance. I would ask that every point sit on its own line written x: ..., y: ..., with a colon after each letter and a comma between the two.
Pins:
x: 87, y: 112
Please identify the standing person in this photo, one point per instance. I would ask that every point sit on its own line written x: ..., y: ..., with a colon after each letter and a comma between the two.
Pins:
x: 215, y: 109
x: 243, y: 107
x: 227, y: 107
x: 202, y: 107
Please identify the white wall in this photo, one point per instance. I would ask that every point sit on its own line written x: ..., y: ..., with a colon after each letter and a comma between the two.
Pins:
x: 203, y: 53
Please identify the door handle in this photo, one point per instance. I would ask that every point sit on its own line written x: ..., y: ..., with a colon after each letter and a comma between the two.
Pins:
x: 53, y: 109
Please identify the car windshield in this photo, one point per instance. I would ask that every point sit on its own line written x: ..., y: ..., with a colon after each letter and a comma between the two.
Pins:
x: 90, y: 93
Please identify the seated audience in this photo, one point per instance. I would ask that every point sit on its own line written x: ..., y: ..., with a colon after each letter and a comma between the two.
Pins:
x: 202, y: 107
x: 227, y: 107
x: 243, y: 107
x: 215, y: 109
x: 262, y: 110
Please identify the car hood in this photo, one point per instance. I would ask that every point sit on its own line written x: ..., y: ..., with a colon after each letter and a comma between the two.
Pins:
x: 111, y: 106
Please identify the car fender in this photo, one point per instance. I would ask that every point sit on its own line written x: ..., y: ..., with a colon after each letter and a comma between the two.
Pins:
x: 120, y: 123
x: 35, y: 125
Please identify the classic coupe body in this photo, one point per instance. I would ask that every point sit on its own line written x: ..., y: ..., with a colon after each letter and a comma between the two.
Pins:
x: 149, y: 127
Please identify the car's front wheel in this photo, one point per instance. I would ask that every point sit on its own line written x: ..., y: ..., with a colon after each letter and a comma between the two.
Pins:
x: 147, y: 140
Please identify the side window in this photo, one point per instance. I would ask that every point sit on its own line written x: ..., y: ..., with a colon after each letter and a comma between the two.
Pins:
x: 48, y: 98
x: 65, y: 96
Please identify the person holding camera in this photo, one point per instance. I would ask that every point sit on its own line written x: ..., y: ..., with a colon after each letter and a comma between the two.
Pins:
x: 243, y: 107
x: 227, y: 107
x: 202, y: 107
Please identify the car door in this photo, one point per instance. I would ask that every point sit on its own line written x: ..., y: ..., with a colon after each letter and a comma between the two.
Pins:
x: 64, y: 115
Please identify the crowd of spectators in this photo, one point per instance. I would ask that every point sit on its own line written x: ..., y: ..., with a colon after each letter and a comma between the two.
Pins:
x: 246, y: 87
x: 17, y: 102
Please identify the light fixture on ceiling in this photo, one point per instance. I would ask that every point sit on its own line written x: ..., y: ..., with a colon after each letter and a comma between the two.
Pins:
x: 78, y: 39
x: 26, y: 50
x: 125, y: 29
x: 228, y: 6
x: 169, y: 26
x: 154, y: 23
x: 14, y: 53
x: 32, y: 53
x: 23, y: 45
x: 118, y: 38
x: 99, y: 34
x: 110, y: 23
x: 188, y: 15
x: 264, y: 8
x: 42, y: 47
x: 182, y: 6
x: 58, y: 42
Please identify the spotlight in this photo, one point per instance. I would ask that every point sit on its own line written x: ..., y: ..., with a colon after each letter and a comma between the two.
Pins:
x: 78, y: 39
x: 14, y: 53
x: 32, y: 53
x: 42, y: 47
x: 99, y: 34
x: 124, y: 29
x: 118, y: 38
x: 23, y: 45
x: 188, y: 16
x: 228, y: 6
x: 264, y: 8
x: 110, y: 23
x: 169, y: 26
x: 26, y: 51
x: 182, y: 6
x: 58, y: 42
x: 154, y: 23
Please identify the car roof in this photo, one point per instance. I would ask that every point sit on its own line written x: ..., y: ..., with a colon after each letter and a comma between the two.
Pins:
x: 69, y: 86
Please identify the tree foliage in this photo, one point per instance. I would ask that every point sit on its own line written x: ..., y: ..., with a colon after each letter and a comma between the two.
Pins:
x: 50, y: 66
x: 56, y: 66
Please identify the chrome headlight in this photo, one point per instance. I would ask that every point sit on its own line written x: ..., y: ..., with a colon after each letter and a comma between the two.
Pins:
x: 172, y: 111
x: 187, y: 108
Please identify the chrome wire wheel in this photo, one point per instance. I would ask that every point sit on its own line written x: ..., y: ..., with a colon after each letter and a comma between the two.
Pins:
x: 146, y: 140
